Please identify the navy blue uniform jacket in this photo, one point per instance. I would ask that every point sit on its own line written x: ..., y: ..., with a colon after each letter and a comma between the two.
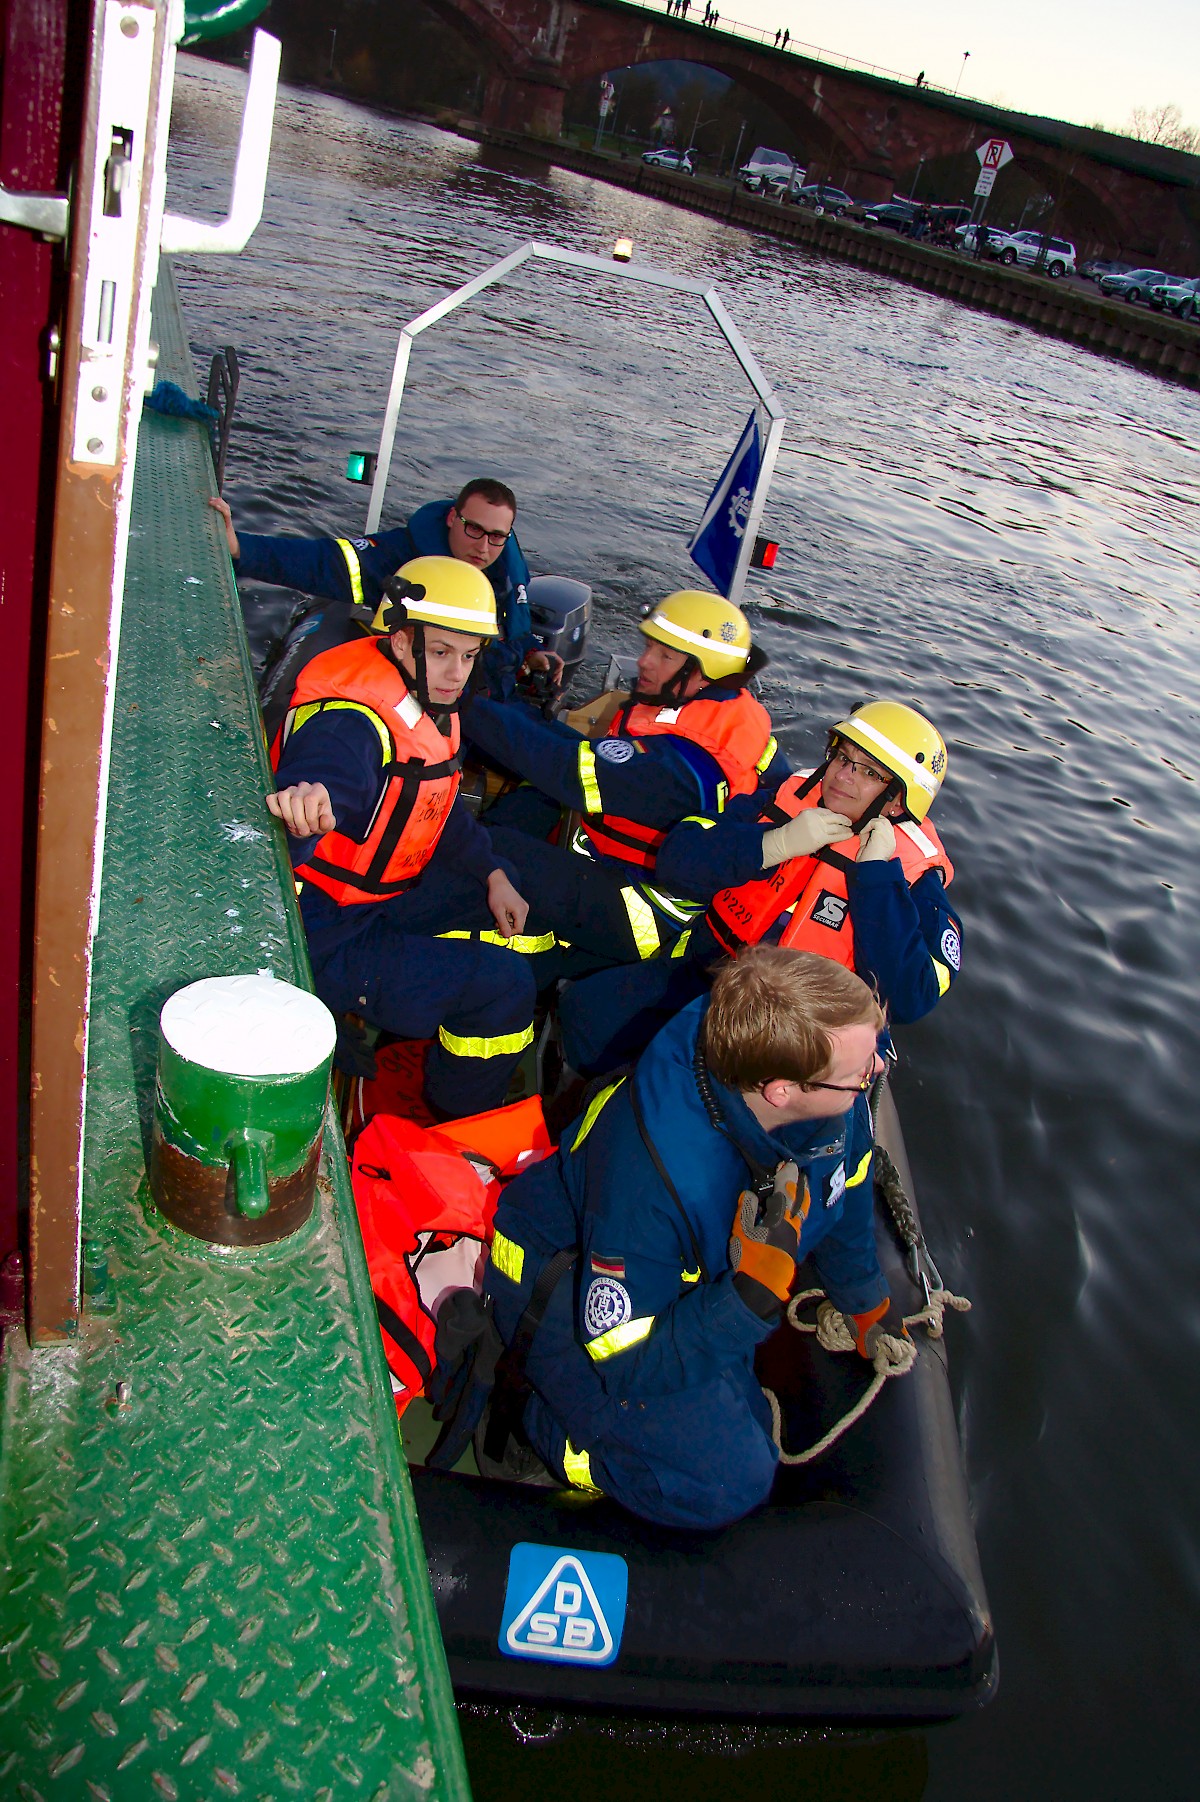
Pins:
x: 650, y: 1324
x: 318, y: 566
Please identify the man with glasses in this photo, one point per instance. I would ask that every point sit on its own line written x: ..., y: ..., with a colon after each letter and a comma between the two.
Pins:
x: 476, y: 527
x: 843, y: 861
x: 688, y: 1191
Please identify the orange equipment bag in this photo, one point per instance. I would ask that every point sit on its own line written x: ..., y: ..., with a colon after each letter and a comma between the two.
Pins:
x: 426, y: 1197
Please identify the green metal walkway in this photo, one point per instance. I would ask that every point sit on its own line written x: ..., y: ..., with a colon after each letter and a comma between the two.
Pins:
x: 214, y: 1581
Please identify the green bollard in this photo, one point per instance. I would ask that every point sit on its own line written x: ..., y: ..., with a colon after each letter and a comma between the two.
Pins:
x: 243, y: 1079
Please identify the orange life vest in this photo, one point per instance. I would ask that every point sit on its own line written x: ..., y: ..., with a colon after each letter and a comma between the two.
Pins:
x: 420, y: 774
x: 425, y: 1200
x: 813, y: 888
x: 736, y: 733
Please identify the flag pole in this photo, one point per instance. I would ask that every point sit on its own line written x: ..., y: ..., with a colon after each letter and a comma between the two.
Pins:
x: 766, y: 470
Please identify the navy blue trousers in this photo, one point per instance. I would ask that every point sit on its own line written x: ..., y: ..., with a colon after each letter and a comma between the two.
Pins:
x: 700, y: 1457
x: 474, y: 1001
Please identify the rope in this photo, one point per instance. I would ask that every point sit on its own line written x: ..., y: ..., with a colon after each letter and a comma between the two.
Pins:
x: 893, y: 1358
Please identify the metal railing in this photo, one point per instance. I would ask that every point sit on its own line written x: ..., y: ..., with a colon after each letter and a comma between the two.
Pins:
x: 761, y: 34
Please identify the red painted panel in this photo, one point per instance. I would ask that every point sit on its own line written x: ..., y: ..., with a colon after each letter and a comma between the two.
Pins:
x: 35, y: 34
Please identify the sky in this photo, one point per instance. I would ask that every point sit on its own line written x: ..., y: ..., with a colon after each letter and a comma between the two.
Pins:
x: 1088, y: 61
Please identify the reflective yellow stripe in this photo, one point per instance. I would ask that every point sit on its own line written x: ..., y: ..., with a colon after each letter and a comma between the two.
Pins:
x: 594, y: 1106
x: 299, y: 716
x: 861, y: 1173
x: 641, y: 919
x: 689, y: 1276
x: 577, y: 1468
x: 764, y: 760
x: 587, y: 779
x: 528, y: 944
x: 502, y: 1046
x: 619, y: 1338
x: 353, y: 569
x: 679, y: 948
x: 508, y: 1257
x: 698, y: 819
x: 722, y: 796
x: 943, y: 975
x: 671, y: 905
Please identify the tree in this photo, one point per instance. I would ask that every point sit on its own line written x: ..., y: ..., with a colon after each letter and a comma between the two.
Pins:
x: 1164, y: 125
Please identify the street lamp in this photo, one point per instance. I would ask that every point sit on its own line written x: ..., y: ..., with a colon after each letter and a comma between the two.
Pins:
x: 962, y: 70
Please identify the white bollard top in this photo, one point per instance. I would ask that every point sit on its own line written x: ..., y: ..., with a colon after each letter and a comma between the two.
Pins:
x: 248, y: 1026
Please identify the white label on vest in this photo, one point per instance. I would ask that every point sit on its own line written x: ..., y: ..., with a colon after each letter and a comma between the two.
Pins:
x: 837, y: 1186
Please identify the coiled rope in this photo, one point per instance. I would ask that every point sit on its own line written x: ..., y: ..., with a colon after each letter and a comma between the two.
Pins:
x: 893, y: 1357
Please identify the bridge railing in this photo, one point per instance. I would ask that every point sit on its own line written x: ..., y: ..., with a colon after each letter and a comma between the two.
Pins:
x: 772, y: 40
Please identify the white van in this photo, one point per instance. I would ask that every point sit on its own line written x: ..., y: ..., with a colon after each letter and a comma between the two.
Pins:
x: 766, y: 166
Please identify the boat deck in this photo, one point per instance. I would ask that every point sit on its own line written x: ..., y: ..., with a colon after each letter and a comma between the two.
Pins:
x: 215, y: 1583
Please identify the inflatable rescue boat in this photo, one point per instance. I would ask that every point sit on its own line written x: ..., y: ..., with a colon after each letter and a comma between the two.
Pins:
x: 856, y: 1592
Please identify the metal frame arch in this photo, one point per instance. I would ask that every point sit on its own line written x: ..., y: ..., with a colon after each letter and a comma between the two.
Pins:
x: 599, y: 266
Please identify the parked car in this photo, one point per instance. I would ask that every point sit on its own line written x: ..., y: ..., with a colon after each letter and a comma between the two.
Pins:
x: 766, y: 165
x: 1177, y: 295
x: 1095, y: 267
x: 1135, y: 284
x: 678, y: 160
x: 1057, y: 255
x: 828, y: 199
x: 896, y: 215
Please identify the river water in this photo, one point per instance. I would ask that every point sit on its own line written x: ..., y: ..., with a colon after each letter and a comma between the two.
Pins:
x: 1000, y: 528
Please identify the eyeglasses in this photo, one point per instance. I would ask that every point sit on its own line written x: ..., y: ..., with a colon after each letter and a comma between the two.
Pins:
x: 859, y: 769
x: 473, y: 529
x: 856, y: 1088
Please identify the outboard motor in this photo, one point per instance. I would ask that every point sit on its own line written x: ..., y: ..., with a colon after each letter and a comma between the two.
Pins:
x: 561, y: 610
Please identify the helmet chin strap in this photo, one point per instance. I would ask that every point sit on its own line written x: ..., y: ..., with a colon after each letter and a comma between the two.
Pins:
x: 893, y: 792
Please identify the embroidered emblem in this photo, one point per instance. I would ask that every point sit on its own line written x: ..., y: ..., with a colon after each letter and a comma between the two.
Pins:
x: 615, y: 750
x: 607, y: 1305
x: 952, y: 948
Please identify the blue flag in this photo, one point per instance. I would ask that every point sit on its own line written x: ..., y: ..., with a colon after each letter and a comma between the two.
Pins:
x: 717, y: 540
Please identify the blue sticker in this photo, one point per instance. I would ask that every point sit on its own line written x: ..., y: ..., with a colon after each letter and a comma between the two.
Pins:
x: 564, y: 1607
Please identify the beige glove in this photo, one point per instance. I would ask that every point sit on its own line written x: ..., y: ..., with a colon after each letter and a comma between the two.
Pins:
x: 808, y: 832
x: 878, y: 842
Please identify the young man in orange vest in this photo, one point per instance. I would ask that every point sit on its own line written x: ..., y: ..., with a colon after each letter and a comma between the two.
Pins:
x: 387, y: 856
x: 844, y: 861
x: 690, y: 736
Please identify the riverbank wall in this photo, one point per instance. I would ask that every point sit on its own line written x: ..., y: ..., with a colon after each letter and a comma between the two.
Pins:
x: 1156, y: 342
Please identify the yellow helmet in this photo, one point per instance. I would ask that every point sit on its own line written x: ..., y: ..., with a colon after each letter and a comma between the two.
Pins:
x: 703, y: 626
x: 439, y: 591
x: 903, y: 741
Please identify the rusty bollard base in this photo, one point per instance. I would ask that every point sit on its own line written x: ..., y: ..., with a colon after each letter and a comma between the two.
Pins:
x: 243, y: 1079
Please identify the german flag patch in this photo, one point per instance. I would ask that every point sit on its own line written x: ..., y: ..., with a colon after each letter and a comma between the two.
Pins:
x: 614, y: 1267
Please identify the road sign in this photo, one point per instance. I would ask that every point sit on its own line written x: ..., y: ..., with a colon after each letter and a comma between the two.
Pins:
x: 986, y: 182
x: 562, y: 1606
x: 994, y: 154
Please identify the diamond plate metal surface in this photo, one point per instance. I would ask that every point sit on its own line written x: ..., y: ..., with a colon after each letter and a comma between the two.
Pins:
x: 214, y: 1581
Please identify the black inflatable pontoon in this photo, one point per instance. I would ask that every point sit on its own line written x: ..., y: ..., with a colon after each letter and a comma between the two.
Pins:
x: 856, y: 1592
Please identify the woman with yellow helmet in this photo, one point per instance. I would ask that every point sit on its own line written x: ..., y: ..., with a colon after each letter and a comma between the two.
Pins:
x: 367, y: 774
x: 690, y: 735
x: 843, y: 861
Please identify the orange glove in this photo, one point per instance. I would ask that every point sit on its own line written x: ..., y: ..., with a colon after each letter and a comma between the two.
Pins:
x: 886, y: 1318
x: 762, y: 1249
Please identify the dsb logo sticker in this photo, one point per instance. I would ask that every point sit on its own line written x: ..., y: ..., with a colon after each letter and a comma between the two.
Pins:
x: 563, y: 1607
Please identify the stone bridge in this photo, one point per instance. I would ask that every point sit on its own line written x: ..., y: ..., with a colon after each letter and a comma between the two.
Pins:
x: 864, y: 132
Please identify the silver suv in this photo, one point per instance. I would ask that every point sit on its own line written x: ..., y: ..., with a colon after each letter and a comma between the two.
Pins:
x: 1025, y: 247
